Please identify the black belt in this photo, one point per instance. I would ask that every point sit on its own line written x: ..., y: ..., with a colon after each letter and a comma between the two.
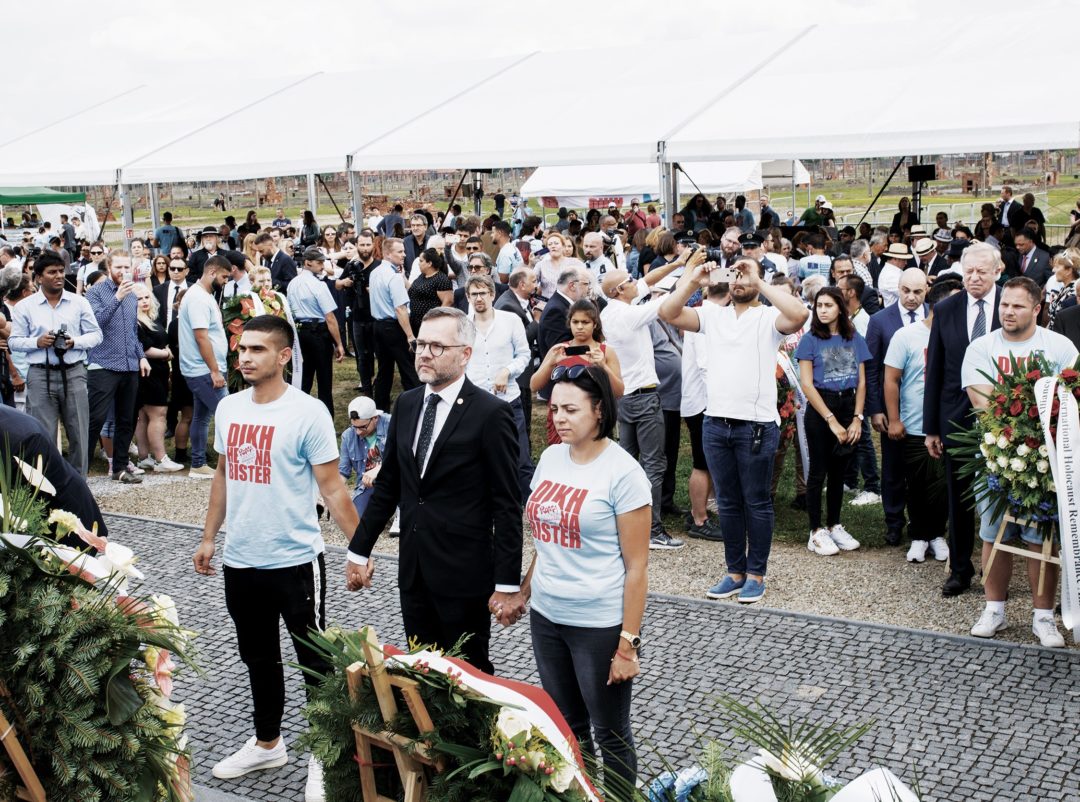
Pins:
x: 641, y: 391
x: 849, y: 393
x: 730, y: 421
x: 63, y: 366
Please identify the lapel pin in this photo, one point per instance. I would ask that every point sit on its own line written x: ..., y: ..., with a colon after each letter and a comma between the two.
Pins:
x: 459, y: 401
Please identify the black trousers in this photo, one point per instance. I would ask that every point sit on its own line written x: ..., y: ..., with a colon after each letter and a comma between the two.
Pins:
x: 257, y: 598
x: 828, y: 459
x: 443, y: 620
x: 119, y: 391
x: 927, y: 499
x: 893, y: 482
x: 672, y: 432
x: 961, y: 518
x: 364, y: 346
x: 391, y: 348
x: 317, y: 349
x: 526, y: 399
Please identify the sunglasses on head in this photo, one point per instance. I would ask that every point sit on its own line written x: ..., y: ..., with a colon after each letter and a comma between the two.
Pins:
x: 569, y: 372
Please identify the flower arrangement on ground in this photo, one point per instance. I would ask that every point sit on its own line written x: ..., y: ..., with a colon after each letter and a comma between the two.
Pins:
x: 86, y: 671
x: 236, y: 310
x: 786, y: 405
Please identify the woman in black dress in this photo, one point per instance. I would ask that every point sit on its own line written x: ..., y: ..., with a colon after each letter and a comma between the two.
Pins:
x: 153, y: 389
x: 904, y: 218
x: 181, y: 401
x: 432, y: 288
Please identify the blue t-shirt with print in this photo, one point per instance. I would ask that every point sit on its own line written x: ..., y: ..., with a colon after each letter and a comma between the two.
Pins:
x: 836, y: 360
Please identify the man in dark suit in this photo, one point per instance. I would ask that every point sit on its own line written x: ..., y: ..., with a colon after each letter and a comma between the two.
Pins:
x: 571, y: 286
x: 282, y: 266
x: 927, y: 257
x: 958, y: 320
x: 1011, y: 212
x: 908, y: 310
x: 1067, y: 323
x: 516, y: 300
x: 450, y: 463
x: 165, y: 293
x: 480, y: 264
x: 1034, y: 262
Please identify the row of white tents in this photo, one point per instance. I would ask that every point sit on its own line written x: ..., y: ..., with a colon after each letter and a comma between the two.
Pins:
x: 941, y: 85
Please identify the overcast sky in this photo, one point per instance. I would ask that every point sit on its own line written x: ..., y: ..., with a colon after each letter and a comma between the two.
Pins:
x: 191, y: 41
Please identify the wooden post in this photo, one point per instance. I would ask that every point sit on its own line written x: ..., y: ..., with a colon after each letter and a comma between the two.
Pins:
x: 1045, y: 556
x: 31, y: 789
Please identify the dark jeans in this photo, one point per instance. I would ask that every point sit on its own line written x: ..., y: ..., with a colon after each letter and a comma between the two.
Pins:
x: 573, y: 663
x: 894, y: 483
x: 865, y: 462
x: 742, y: 481
x: 526, y: 402
x: 116, y: 391
x: 364, y: 346
x: 525, y: 463
x: 441, y: 621
x: 927, y: 498
x: 641, y: 434
x: 828, y: 458
x: 206, y: 400
x: 672, y: 433
x: 256, y: 599
x: 961, y: 518
x: 391, y: 348
x: 317, y: 350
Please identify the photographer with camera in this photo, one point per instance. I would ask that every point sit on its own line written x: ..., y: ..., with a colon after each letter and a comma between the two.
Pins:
x: 613, y: 243
x: 55, y: 328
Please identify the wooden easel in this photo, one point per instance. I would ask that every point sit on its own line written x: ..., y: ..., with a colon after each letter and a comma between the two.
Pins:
x: 1045, y: 556
x: 410, y: 759
x: 31, y: 789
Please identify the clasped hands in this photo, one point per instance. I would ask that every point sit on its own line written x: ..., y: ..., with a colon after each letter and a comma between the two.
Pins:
x: 508, y: 608
x: 359, y: 576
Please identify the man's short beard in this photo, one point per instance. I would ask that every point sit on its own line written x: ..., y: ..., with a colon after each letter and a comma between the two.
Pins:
x: 439, y: 377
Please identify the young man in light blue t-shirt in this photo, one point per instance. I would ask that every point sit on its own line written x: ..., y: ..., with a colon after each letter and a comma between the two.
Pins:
x: 903, y: 384
x: 277, y: 448
x: 991, y: 355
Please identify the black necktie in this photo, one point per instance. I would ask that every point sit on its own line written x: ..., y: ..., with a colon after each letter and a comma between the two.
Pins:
x: 979, y: 329
x: 912, y: 316
x: 427, y: 429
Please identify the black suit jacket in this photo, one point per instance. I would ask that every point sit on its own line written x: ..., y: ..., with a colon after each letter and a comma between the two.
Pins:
x: 553, y: 326
x: 1038, y: 269
x: 461, y: 521
x: 508, y: 302
x: 938, y: 264
x: 282, y: 271
x: 946, y: 405
x: 161, y: 293
x: 1067, y: 323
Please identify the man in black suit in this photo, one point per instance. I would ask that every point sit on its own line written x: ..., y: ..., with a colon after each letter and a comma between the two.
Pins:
x: 210, y: 239
x: 927, y: 258
x: 571, y: 286
x: 166, y: 292
x: 1067, y: 323
x: 1034, y: 262
x: 479, y: 264
x: 282, y: 266
x: 516, y: 300
x: 957, y: 321
x: 1011, y: 212
x: 450, y: 462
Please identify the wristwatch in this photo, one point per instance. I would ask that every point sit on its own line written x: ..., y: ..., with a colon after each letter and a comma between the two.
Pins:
x: 633, y: 640
x: 859, y: 415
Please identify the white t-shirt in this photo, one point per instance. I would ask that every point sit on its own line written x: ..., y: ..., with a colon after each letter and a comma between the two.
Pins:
x: 992, y: 354
x: 269, y: 451
x: 695, y: 394
x: 579, y: 575
x: 741, y: 367
x: 626, y: 329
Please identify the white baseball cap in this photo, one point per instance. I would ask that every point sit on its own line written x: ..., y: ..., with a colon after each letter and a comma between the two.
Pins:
x: 364, y: 408
x: 820, y: 199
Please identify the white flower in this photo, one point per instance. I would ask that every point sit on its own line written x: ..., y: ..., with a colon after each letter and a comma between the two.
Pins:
x: 1053, y: 487
x: 1043, y: 452
x: 1022, y: 450
x: 991, y: 466
x: 1042, y: 466
x: 1033, y: 483
x: 165, y: 609
x: 989, y: 438
x: 984, y: 449
x: 533, y: 759
x: 562, y: 778
x: 1017, y: 464
x: 510, y: 725
x: 65, y: 521
x: 36, y: 476
x: 1002, y: 442
x: 121, y: 560
x: 791, y: 765
x: 1003, y: 462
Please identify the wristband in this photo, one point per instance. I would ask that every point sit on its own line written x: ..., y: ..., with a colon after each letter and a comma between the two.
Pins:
x: 624, y: 657
x: 829, y: 417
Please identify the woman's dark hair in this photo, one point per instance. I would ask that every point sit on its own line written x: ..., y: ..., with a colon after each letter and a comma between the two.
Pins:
x: 93, y: 277
x: 251, y: 217
x: 435, y: 259
x: 594, y: 382
x: 587, y: 307
x: 309, y: 218
x: 845, y: 328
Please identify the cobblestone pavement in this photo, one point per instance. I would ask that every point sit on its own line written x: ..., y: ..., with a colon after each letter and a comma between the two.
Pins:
x: 974, y: 720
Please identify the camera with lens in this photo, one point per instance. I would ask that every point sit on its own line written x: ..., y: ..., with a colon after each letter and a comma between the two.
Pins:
x: 62, y: 342
x: 609, y: 244
x: 711, y: 254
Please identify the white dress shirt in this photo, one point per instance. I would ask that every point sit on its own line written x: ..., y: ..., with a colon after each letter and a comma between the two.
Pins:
x: 973, y: 311
x: 889, y: 283
x: 504, y: 345
x: 905, y: 315
x: 170, y: 297
x: 626, y: 329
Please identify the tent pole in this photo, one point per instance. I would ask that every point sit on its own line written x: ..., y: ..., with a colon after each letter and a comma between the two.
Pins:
x: 673, y: 169
x: 126, y: 215
x: 155, y: 210
x: 356, y: 194
x: 792, y: 187
x: 312, y: 193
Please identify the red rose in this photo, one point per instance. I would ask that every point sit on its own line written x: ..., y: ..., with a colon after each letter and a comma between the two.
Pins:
x: 1016, y: 408
x: 1031, y: 442
x: 1069, y: 375
x: 999, y: 412
x: 1001, y: 399
x: 1008, y: 432
x: 1033, y: 411
x: 1034, y: 375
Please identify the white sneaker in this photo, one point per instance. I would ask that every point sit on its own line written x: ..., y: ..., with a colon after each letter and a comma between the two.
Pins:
x: 134, y: 470
x: 133, y: 450
x: 1045, y: 629
x: 202, y: 472
x: 314, y: 790
x: 843, y: 539
x: 917, y: 552
x: 989, y: 624
x: 940, y: 548
x: 865, y: 499
x: 149, y: 463
x: 821, y: 543
x: 251, y: 757
x: 168, y: 466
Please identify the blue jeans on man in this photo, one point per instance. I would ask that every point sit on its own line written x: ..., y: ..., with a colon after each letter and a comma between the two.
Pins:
x: 742, y: 481
x: 206, y: 400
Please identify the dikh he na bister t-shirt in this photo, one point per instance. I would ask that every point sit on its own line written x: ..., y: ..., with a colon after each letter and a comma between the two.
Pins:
x: 269, y: 450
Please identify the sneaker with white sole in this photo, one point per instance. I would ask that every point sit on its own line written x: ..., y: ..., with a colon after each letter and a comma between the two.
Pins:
x: 147, y: 463
x: 166, y: 465
x: 314, y: 791
x: 202, y: 472
x: 133, y: 450
x: 917, y: 552
x: 842, y: 538
x: 989, y: 624
x: 135, y: 469
x: 940, y: 548
x: 662, y: 541
x: 821, y: 543
x: 251, y: 757
x: 1045, y: 629
x: 865, y: 499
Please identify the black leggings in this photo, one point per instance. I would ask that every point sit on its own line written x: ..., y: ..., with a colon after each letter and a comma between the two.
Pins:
x: 828, y: 458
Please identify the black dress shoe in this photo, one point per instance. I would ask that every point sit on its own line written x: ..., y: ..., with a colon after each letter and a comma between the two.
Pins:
x: 955, y: 585
x: 672, y: 509
x: 893, y: 537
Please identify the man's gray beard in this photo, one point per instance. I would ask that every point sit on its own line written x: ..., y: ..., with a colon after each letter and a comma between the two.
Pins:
x: 441, y: 378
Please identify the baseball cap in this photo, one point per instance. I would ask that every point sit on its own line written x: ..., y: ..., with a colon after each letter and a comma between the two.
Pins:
x: 314, y: 255
x: 363, y: 407
x: 819, y: 199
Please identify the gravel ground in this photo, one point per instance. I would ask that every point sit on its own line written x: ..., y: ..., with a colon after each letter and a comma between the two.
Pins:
x: 875, y: 585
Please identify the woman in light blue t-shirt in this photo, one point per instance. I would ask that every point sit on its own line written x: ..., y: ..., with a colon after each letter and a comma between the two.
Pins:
x: 590, y: 511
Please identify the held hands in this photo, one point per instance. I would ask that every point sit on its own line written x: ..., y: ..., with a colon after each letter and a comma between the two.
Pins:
x: 508, y: 608
x: 624, y: 664
x: 359, y: 576
x: 367, y: 478
x: 838, y: 430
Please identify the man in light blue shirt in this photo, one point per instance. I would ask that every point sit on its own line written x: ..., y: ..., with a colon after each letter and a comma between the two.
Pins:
x: 166, y: 235
x: 392, y: 331
x: 55, y: 328
x: 203, y: 353
x: 500, y: 354
x: 313, y: 309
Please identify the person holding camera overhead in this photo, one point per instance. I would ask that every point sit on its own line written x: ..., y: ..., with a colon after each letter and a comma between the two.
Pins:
x: 55, y: 328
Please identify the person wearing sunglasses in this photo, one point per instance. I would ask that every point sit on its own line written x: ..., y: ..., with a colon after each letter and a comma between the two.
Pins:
x: 97, y: 256
x: 590, y: 515
x: 363, y: 444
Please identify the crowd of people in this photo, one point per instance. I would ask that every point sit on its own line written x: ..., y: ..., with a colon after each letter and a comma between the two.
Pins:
x: 624, y: 329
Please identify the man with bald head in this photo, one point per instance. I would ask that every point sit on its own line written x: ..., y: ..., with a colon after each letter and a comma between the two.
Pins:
x: 592, y: 244
x: 641, y: 418
x: 908, y: 310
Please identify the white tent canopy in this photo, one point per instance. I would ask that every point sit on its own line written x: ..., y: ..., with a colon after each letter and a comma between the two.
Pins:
x: 783, y: 171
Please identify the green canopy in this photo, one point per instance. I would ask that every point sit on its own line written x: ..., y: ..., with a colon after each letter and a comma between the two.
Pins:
x: 21, y: 196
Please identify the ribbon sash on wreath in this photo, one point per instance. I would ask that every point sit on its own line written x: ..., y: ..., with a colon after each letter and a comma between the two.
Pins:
x: 784, y: 362
x: 1063, y: 458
